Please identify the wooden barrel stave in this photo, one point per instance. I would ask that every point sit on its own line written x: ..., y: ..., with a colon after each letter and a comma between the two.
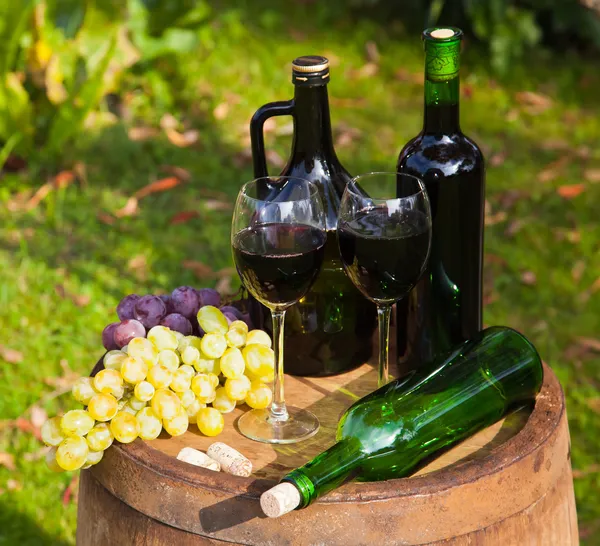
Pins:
x: 523, y: 488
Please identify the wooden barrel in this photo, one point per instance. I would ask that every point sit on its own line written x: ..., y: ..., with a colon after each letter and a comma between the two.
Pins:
x: 511, y: 484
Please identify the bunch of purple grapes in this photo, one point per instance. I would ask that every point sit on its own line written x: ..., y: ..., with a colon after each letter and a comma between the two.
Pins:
x: 177, y: 311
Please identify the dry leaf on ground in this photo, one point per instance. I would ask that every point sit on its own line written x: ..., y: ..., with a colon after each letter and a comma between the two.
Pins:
x: 529, y: 278
x: 11, y: 356
x: 183, y: 140
x: 201, y: 270
x: 592, y: 175
x: 139, y: 134
x: 130, y: 209
x: 183, y: 217
x: 535, y: 103
x: 161, y: 185
x: 7, y: 460
x: 554, y: 169
x: 570, y: 191
x: 183, y: 174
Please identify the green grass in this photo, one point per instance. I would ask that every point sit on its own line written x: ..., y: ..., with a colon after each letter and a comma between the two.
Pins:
x: 246, y: 63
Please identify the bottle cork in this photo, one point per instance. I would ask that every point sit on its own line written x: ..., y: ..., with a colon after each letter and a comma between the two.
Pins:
x: 231, y: 460
x: 198, y: 458
x: 280, y: 500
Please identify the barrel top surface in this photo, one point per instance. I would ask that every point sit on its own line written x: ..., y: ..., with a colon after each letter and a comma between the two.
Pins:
x: 484, y: 453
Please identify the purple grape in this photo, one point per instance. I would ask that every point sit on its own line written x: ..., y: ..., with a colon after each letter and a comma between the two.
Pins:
x: 127, y: 330
x: 196, y: 330
x: 150, y: 310
x: 185, y: 301
x: 208, y: 296
x: 246, y: 318
x: 177, y: 322
x: 230, y: 317
x: 108, y: 336
x: 166, y: 298
x: 232, y: 311
x: 126, y: 305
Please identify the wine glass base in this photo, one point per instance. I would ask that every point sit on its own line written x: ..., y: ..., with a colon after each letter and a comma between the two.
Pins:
x: 258, y: 425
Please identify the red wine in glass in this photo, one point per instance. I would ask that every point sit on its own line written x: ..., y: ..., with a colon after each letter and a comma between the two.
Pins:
x: 383, y: 255
x: 277, y: 262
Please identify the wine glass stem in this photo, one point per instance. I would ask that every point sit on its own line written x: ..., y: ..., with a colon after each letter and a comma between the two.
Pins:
x: 278, y: 410
x: 383, y: 316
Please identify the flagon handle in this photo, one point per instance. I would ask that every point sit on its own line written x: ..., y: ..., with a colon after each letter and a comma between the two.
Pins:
x: 257, y: 138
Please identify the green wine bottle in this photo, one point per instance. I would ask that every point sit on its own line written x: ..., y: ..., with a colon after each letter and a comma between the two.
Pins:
x: 387, y: 433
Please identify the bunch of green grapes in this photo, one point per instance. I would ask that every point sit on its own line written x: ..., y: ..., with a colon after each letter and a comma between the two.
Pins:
x: 164, y: 381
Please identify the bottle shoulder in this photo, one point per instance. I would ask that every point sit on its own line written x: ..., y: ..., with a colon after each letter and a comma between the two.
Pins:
x: 448, y: 153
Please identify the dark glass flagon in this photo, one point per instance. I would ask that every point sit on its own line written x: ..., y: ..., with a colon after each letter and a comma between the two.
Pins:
x: 330, y: 330
x: 445, y: 307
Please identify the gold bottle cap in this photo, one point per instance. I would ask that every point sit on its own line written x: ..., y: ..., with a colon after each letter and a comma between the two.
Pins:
x: 310, y: 64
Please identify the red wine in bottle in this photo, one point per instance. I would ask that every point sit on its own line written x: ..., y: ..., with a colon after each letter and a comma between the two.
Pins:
x: 330, y: 329
x: 445, y: 307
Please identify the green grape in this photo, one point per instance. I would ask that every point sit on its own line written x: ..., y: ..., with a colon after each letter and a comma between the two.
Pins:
x: 235, y: 337
x: 143, y: 349
x: 165, y: 403
x: 144, y: 390
x: 222, y: 402
x: 214, y: 379
x: 149, y: 424
x: 260, y: 360
x: 190, y: 355
x: 136, y: 403
x: 94, y: 457
x: 103, y: 407
x: 259, y: 396
x: 134, y: 370
x: 109, y: 382
x: 72, y: 453
x: 186, y: 397
x: 76, y: 423
x: 188, y: 341
x: 177, y: 425
x: 237, y: 388
x: 214, y: 345
x: 124, y: 427
x: 128, y: 409
x: 181, y: 381
x: 187, y: 370
x: 51, y: 432
x: 202, y: 386
x: 193, y: 409
x: 83, y: 390
x: 159, y: 377
x: 168, y: 359
x: 239, y: 325
x: 212, y: 321
x: 124, y: 349
x: 207, y: 365
x: 178, y: 335
x: 100, y: 437
x: 258, y: 337
x: 114, y: 359
x: 232, y: 363
x: 210, y: 421
x: 51, y: 461
x: 163, y: 338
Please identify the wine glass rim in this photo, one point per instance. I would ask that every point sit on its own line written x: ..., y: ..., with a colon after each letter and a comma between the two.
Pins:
x: 312, y: 187
x: 352, y: 185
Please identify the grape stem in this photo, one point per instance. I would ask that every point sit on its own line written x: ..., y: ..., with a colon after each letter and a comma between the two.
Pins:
x: 278, y: 410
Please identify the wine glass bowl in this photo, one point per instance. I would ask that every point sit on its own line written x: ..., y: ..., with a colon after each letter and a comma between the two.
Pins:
x: 278, y: 241
x: 384, y: 238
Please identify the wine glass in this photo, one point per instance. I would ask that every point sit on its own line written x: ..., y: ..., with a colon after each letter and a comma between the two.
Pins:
x: 278, y: 239
x: 384, y: 237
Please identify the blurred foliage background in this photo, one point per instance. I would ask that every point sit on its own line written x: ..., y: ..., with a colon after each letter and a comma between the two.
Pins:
x: 124, y: 140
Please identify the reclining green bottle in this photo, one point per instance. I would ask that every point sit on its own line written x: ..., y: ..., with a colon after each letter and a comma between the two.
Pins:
x: 387, y: 433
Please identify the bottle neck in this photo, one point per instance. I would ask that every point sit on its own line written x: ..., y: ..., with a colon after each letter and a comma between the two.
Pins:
x: 312, y: 123
x: 441, y: 106
x: 442, y: 65
x: 327, y: 471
